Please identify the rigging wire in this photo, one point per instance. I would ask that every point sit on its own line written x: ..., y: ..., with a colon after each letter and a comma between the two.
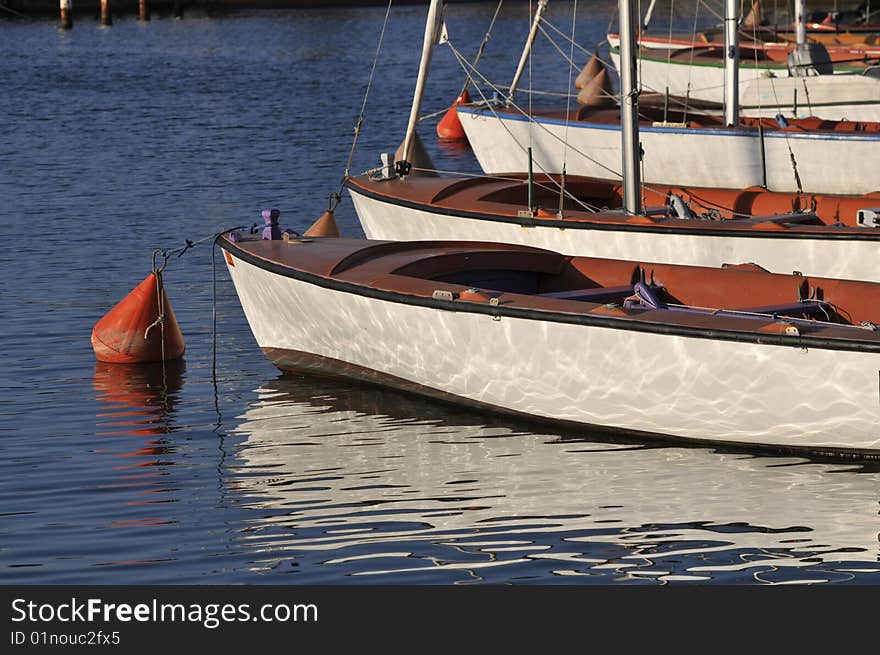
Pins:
x: 791, y: 156
x: 480, y: 82
x: 638, y: 92
x: 483, y: 44
x: 12, y: 11
x: 572, y: 66
x: 567, y: 110
x: 489, y: 105
x: 687, y: 94
x: 710, y: 10
x: 586, y: 51
x: 760, y: 110
x: 337, y: 197
x: 669, y: 49
x: 531, y: 49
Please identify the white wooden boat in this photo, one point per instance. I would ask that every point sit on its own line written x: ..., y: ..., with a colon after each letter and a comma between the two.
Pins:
x: 853, y: 50
x: 767, y: 90
x: 835, y: 158
x: 682, y: 147
x: 732, y: 355
x: 818, y: 235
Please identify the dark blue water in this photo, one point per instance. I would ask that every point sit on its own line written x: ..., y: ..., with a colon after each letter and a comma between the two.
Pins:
x: 117, y: 141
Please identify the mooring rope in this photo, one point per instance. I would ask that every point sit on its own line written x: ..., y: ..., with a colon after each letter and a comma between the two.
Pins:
x: 160, y: 320
x: 214, y: 338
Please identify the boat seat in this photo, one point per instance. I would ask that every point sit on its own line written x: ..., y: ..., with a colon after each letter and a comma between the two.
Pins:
x: 596, y: 294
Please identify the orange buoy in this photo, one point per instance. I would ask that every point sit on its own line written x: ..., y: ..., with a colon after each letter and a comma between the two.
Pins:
x: 132, y: 332
x: 449, y: 126
x: 325, y: 226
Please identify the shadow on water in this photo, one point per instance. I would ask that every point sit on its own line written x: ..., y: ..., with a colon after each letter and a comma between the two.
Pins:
x: 356, y: 484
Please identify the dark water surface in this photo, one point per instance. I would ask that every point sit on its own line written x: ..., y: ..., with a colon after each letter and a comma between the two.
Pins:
x: 115, y: 141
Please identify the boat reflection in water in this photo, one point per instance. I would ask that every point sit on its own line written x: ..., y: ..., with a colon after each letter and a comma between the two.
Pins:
x: 357, y: 484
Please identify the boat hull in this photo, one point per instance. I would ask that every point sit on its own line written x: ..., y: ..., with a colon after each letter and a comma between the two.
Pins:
x: 834, y: 163
x: 382, y: 218
x: 851, y: 97
x: 701, y: 389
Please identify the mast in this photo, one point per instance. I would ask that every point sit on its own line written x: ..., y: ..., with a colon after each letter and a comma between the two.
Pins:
x: 432, y: 29
x: 648, y: 15
x: 731, y: 62
x: 629, y: 110
x: 527, y: 49
x: 801, y: 21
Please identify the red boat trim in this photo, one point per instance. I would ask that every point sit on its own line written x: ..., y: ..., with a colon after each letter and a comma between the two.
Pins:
x: 633, y: 324
x: 858, y: 234
x: 295, y: 361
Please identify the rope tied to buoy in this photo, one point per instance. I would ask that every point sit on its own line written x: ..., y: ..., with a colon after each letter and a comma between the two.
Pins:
x: 157, y: 272
x: 126, y: 333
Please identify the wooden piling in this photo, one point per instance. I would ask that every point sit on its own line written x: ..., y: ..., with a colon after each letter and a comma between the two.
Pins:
x: 106, y: 17
x: 66, y: 14
x: 143, y: 10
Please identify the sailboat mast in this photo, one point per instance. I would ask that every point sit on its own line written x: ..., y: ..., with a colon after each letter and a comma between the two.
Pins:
x: 527, y: 49
x: 432, y: 29
x: 629, y: 110
x: 800, y: 21
x: 731, y: 62
x: 648, y: 15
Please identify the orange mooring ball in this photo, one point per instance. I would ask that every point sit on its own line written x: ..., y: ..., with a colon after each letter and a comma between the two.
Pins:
x: 449, y: 126
x: 123, y: 337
